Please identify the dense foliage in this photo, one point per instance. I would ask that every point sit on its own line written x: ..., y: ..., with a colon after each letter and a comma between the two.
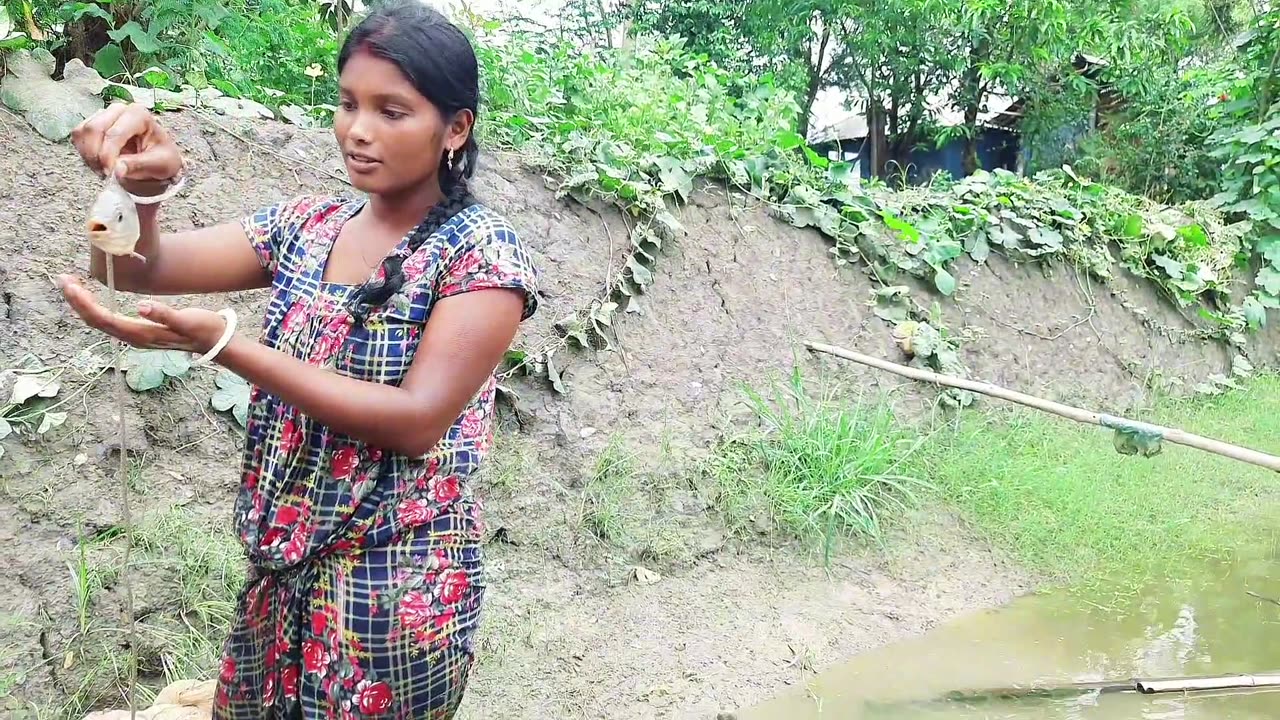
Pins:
x: 637, y: 123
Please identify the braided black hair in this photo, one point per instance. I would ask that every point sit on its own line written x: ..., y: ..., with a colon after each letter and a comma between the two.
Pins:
x: 440, y: 62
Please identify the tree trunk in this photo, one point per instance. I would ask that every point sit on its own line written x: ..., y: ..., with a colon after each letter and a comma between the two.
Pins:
x: 972, y: 94
x: 816, y: 72
x: 877, y: 137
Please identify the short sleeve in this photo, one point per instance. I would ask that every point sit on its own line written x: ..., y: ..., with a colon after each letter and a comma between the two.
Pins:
x: 272, y: 229
x: 489, y: 254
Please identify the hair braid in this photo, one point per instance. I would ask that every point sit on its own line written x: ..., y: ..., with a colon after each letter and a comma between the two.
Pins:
x: 457, y: 198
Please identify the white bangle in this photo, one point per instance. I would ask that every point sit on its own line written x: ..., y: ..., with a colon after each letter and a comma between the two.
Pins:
x: 230, y: 316
x: 168, y: 193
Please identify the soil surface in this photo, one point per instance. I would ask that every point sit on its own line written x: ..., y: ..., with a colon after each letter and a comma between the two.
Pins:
x: 569, y: 631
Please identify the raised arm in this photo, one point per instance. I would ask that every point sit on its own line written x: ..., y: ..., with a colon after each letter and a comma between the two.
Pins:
x: 127, y: 140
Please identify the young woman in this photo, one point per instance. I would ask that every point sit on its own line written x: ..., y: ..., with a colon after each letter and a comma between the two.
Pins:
x: 373, y: 385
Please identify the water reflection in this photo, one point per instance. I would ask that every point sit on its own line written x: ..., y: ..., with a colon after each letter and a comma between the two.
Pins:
x: 1209, y: 626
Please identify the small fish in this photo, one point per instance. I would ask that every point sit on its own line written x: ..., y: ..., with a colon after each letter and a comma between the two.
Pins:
x: 113, y: 221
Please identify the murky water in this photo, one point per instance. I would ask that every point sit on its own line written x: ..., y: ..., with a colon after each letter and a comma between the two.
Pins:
x: 1211, y: 626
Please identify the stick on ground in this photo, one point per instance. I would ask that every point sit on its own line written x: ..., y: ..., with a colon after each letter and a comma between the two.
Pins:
x: 1173, y: 435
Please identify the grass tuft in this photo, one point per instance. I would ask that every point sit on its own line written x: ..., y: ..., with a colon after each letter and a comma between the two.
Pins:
x: 817, y: 468
x: 606, y: 513
x: 207, y: 567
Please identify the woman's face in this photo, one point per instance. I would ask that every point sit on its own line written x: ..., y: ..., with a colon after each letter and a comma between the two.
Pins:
x: 392, y: 138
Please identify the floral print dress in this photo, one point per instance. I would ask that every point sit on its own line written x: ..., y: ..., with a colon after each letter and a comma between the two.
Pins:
x: 366, y: 586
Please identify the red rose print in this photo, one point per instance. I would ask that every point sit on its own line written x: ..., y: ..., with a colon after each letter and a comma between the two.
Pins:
x: 335, y: 334
x: 228, y: 673
x: 415, y: 609
x: 273, y: 536
x: 373, y: 699
x: 293, y: 550
x: 415, y: 265
x: 444, y: 618
x: 269, y: 692
x: 290, y: 436
x: 413, y: 513
x: 445, y: 489
x: 315, y: 657
x: 465, y: 265
x: 454, y: 586
x: 319, y: 621
x: 295, y: 317
x: 344, y: 462
x: 289, y: 681
x: 473, y: 425
x: 287, y: 515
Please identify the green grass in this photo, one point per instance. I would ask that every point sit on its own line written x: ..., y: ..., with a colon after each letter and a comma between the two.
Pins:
x: 816, y: 468
x: 606, y: 512
x: 1068, y: 506
x: 205, y: 569
x: 183, y: 560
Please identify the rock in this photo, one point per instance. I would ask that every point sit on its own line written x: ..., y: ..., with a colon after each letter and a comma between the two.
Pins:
x: 52, y: 107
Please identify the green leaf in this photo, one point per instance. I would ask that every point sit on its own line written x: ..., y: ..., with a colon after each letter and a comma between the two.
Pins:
x: 156, y: 77
x: 147, y: 369
x: 842, y: 173
x: 893, y: 303
x: 50, y: 420
x: 109, y: 60
x: 232, y: 394
x: 1269, y: 279
x: 1132, y: 227
x: 1194, y: 235
x: 980, y: 249
x: 1172, y: 268
x: 1047, y: 237
x: 1269, y: 248
x: 142, y: 40
x: 641, y: 274
x: 5, y: 429
x: 905, y: 230
x: 943, y: 280
x: 788, y: 141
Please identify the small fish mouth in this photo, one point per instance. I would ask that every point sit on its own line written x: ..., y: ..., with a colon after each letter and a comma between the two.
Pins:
x: 96, y: 226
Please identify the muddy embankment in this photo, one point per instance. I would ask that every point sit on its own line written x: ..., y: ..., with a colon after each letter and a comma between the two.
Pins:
x: 569, y: 632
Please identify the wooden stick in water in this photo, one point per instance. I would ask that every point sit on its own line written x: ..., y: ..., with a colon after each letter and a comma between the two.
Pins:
x: 1173, y: 435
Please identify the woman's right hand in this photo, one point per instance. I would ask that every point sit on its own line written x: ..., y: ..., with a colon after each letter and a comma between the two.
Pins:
x: 126, y: 139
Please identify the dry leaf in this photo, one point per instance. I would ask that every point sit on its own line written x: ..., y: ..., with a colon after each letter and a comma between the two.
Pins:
x: 29, y: 386
x: 645, y: 576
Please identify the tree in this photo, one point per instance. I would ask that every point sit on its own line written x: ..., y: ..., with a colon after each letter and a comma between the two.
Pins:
x: 793, y: 40
x: 892, y: 57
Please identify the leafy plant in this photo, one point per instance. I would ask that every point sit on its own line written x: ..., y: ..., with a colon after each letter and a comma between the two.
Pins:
x: 1250, y: 152
x: 149, y: 369
x: 232, y: 394
x: 27, y: 387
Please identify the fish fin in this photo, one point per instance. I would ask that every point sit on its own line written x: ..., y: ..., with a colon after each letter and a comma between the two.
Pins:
x: 136, y: 255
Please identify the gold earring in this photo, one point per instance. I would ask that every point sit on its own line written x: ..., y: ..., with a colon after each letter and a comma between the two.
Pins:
x: 450, y: 158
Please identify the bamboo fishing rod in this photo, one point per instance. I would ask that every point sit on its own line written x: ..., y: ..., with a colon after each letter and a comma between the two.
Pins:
x: 1173, y: 435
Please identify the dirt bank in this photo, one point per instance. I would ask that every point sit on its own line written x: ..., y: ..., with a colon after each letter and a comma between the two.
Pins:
x: 569, y: 633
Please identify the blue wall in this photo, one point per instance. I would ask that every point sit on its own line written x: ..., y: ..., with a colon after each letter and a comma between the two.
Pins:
x: 997, y: 148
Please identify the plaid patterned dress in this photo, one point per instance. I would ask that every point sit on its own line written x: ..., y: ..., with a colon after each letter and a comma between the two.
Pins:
x: 366, y: 584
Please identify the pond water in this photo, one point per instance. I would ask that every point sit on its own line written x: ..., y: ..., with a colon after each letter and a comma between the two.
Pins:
x: 1207, y: 626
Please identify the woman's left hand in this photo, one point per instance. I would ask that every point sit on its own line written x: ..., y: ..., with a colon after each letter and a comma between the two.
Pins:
x: 162, y: 327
